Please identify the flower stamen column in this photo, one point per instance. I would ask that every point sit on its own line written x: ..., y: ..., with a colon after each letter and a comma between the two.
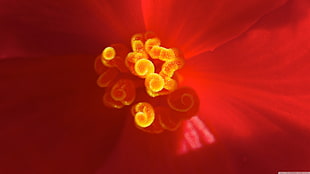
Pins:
x: 145, y: 79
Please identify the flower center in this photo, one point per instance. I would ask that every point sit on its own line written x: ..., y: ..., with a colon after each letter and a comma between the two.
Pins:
x: 145, y: 78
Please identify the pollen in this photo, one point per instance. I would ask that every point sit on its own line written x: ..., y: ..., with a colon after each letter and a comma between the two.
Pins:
x: 144, y: 114
x: 144, y: 67
x: 108, y: 53
x: 154, y: 82
x: 144, y: 79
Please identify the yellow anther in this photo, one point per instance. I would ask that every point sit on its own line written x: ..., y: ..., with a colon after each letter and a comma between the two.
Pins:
x: 108, y: 53
x: 133, y: 57
x: 169, y: 67
x: 137, y: 46
x: 137, y: 42
x: 166, y: 54
x: 154, y: 82
x: 131, y: 60
x: 155, y: 52
x: 144, y: 67
x: 144, y: 114
x: 150, y: 43
x: 170, y: 84
x: 114, y: 56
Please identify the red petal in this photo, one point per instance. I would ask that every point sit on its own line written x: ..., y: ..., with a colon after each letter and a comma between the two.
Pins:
x: 255, y: 92
x: 52, y: 116
x: 141, y: 152
x: 36, y: 28
x: 197, y: 26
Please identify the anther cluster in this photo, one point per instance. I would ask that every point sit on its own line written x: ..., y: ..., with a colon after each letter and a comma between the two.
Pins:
x: 145, y: 79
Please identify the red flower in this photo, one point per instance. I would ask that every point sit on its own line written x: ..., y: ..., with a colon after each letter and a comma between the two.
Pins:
x: 246, y: 60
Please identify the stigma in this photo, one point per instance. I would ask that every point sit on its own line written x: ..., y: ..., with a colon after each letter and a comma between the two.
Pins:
x: 143, y: 79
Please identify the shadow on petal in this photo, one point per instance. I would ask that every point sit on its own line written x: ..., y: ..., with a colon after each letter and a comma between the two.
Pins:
x: 50, y: 28
x: 52, y: 116
x: 141, y: 152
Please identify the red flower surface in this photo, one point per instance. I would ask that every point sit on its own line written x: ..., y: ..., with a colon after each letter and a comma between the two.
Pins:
x: 247, y: 60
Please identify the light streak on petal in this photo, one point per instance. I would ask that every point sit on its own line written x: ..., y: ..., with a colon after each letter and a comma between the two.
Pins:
x: 196, y: 135
x: 191, y: 137
x: 205, y: 134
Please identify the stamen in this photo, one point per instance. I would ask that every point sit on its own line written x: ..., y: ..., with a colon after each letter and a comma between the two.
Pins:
x: 150, y: 70
x: 144, y: 114
x: 124, y: 91
x: 108, y: 53
x: 150, y: 43
x: 137, y: 43
x: 154, y: 82
x: 171, y: 66
x: 110, y: 102
x: 112, y: 59
x: 137, y: 46
x: 170, y: 84
x: 155, y: 52
x: 166, y: 54
x: 144, y: 67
